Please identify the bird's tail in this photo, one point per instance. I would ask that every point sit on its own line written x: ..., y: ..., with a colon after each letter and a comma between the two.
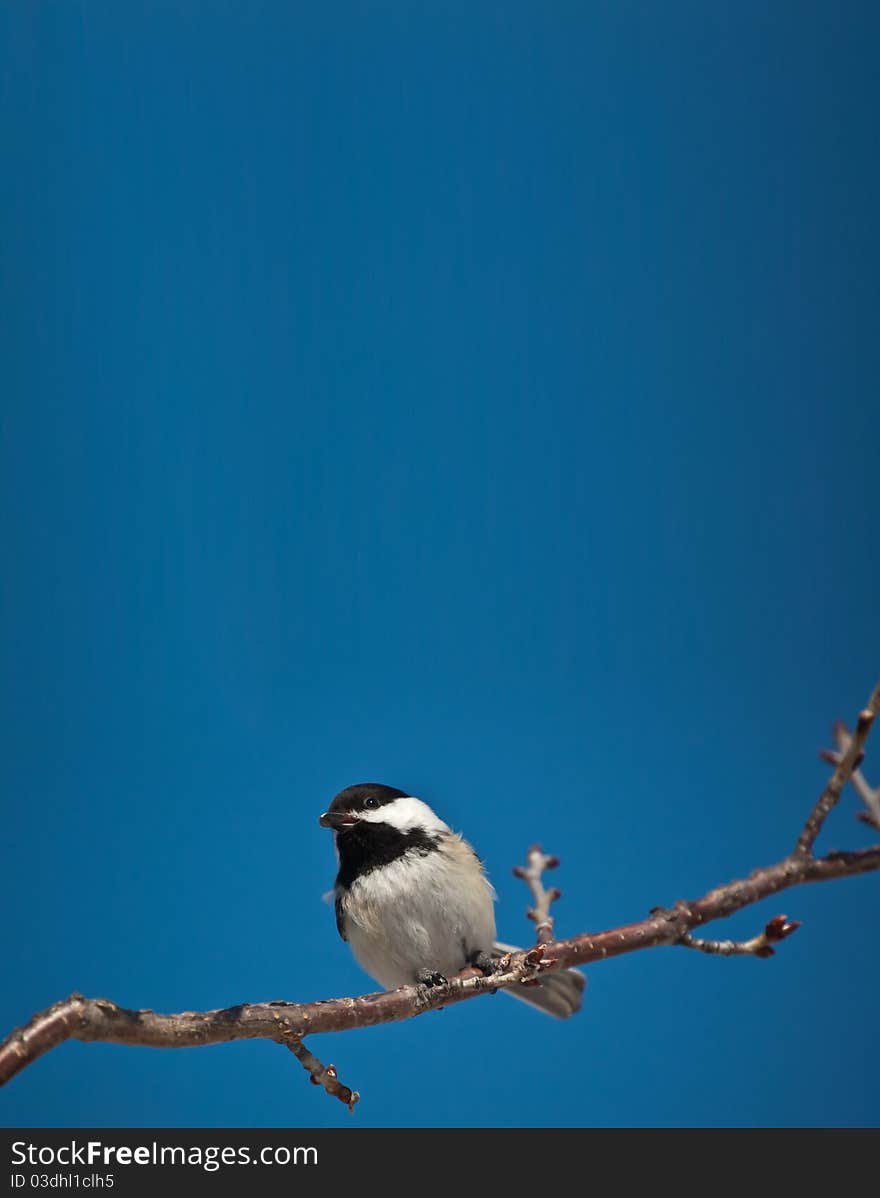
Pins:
x: 558, y: 994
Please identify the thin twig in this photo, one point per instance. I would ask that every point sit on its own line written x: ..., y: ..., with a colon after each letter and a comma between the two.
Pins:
x: 850, y: 760
x: 323, y: 1075
x: 869, y: 795
x: 777, y: 929
x: 531, y: 873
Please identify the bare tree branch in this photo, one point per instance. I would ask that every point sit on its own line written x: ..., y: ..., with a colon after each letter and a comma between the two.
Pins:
x: 779, y: 928
x: 850, y: 760
x: 532, y: 875
x: 99, y: 1019
x: 323, y: 1075
x: 287, y: 1023
x: 869, y: 795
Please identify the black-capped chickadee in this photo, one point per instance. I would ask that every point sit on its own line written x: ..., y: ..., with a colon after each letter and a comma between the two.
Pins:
x: 413, y: 899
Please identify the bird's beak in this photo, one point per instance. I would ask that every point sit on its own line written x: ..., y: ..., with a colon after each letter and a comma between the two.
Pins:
x: 337, y: 820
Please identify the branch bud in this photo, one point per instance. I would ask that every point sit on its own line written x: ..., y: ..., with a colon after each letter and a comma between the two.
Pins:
x: 780, y: 927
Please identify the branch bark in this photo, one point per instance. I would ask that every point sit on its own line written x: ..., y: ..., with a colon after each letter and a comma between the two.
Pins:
x: 287, y: 1023
x: 779, y: 928
x: 869, y: 795
x: 323, y: 1075
x: 532, y: 875
x: 849, y: 762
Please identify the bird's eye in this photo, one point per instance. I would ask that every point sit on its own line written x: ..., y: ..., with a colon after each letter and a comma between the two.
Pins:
x: 372, y: 804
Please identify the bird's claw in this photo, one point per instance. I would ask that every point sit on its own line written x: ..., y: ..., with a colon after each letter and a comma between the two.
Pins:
x: 486, y: 964
x: 429, y: 978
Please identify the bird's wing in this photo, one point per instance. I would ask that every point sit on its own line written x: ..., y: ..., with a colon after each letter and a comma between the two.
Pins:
x: 340, y: 917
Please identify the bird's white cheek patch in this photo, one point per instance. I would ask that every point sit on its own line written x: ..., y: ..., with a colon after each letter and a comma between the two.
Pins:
x: 406, y: 814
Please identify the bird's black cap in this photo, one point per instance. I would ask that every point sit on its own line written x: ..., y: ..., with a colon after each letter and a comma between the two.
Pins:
x: 363, y: 796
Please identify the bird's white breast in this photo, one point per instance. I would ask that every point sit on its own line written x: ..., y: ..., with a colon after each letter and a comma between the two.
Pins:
x: 430, y: 911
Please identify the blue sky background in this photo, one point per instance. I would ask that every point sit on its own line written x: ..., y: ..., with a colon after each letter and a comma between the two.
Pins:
x: 476, y: 398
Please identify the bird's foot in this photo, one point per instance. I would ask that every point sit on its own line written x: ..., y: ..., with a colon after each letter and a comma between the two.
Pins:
x: 429, y: 978
x: 486, y: 964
